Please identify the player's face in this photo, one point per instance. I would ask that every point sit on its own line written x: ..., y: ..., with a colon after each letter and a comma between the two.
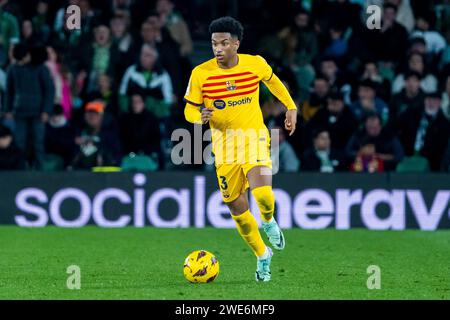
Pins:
x: 224, y: 46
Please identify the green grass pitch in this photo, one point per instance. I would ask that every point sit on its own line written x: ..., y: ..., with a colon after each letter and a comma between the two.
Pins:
x: 146, y: 263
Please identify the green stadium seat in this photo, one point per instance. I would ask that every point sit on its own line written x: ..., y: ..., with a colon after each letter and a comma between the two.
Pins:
x: 52, y: 162
x: 135, y: 162
x: 413, y: 164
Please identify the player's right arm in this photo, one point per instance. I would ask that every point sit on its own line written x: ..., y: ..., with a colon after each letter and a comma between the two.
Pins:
x: 194, y: 102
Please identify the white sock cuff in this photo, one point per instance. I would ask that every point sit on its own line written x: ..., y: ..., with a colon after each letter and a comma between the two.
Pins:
x: 265, y: 254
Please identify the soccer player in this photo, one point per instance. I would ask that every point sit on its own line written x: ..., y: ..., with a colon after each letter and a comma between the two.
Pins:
x: 224, y: 91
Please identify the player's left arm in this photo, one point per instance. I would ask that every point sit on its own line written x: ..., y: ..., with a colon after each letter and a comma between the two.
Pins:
x: 279, y: 90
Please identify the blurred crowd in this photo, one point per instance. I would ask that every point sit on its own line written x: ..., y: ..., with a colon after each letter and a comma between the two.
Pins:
x: 109, y: 94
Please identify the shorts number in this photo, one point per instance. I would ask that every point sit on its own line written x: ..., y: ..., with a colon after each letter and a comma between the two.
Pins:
x: 223, y: 183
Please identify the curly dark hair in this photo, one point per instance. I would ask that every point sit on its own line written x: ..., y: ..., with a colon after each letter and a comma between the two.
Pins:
x: 227, y: 24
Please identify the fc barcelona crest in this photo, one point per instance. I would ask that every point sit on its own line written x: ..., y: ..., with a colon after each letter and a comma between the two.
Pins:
x: 231, y: 85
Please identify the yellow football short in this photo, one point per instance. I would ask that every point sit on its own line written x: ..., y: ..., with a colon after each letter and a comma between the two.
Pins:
x: 233, y: 178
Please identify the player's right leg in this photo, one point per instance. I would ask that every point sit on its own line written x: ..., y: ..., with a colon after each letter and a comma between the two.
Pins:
x: 249, y: 231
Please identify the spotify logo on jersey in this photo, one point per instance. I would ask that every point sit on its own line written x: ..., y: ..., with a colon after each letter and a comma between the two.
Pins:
x: 219, y: 104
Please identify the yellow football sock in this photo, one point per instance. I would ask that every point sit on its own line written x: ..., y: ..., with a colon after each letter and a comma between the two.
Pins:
x: 249, y: 231
x: 266, y: 201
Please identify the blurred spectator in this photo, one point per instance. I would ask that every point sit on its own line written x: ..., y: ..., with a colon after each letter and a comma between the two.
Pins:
x: 368, y: 102
x: 383, y: 85
x: 425, y: 131
x: 343, y: 12
x: 431, y: 61
x: 98, y: 142
x: 323, y: 52
x: 387, y: 146
x: 405, y: 15
x: 300, y: 47
x: 330, y: 70
x: 337, y: 119
x: 119, y: 25
x: 139, y: 130
x: 176, y: 25
x: 61, y: 15
x: 367, y: 159
x: 62, y: 79
x: 411, y: 97
x: 11, y: 157
x: 322, y: 157
x: 105, y: 92
x: 446, y: 99
x: 154, y: 34
x: 29, y: 99
x: 41, y: 20
x: 9, y: 33
x: 121, y: 4
x: 64, y: 40
x: 418, y: 45
x: 101, y: 57
x: 151, y: 81
x: 88, y: 17
x: 283, y: 155
x: 337, y: 47
x: 428, y: 82
x: 173, y: 21
x: 60, y: 136
x: 123, y: 40
x: 28, y: 36
x: 317, y: 99
x: 389, y: 43
x: 434, y: 40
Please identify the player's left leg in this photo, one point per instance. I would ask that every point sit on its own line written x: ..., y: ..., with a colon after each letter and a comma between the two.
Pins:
x: 260, y: 182
x: 246, y: 224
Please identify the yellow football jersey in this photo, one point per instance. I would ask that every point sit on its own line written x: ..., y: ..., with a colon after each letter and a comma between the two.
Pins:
x: 233, y: 94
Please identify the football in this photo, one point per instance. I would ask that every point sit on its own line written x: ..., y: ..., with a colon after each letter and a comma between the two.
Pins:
x: 200, y: 266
